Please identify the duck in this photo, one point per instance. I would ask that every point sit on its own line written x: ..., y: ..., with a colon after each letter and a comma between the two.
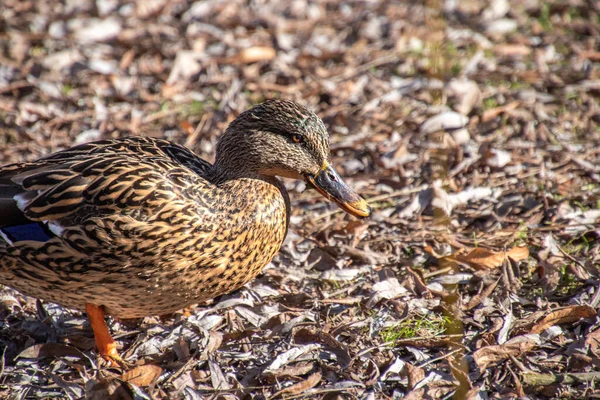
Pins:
x: 139, y: 226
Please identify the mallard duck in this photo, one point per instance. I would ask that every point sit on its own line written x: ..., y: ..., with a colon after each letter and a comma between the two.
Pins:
x: 138, y: 226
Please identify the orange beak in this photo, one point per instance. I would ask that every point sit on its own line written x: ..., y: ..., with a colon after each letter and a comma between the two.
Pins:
x: 331, y: 186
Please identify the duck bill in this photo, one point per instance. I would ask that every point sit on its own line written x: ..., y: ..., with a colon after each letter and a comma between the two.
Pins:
x: 331, y: 186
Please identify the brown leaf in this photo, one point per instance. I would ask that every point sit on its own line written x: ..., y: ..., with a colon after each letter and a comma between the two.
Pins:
x: 480, y: 297
x: 108, y: 390
x: 518, y: 253
x: 563, y: 316
x: 459, y: 369
x: 50, y: 350
x: 357, y: 229
x: 593, y: 340
x: 415, y: 375
x: 215, y: 339
x: 512, y: 50
x: 187, y: 127
x: 295, y: 370
x: 144, y: 375
x: 486, y: 259
x: 494, y: 112
x: 591, y: 55
x: 418, y: 284
x: 290, y: 356
x: 482, y: 258
x: 305, y: 335
x: 254, y: 54
x: 492, y: 355
x: 300, y: 387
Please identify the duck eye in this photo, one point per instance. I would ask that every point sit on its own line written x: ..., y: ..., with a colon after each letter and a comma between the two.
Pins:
x: 297, y: 139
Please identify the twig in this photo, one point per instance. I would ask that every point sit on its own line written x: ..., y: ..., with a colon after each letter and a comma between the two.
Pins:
x: 438, y: 272
x: 386, y: 59
x: 570, y: 257
x: 535, y: 379
x: 440, y: 357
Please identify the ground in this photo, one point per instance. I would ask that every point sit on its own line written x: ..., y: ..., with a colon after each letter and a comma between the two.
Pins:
x: 471, y: 127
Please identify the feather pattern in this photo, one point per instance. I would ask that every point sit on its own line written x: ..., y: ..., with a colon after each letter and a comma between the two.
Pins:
x: 133, y: 218
x: 140, y: 226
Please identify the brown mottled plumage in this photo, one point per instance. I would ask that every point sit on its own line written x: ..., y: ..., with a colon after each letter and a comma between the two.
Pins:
x: 141, y: 226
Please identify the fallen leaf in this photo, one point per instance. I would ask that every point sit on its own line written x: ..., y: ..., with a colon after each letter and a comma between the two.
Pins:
x: 397, y: 366
x: 144, y: 375
x: 300, y: 387
x: 481, y: 296
x: 187, y: 127
x: 415, y: 375
x: 512, y: 50
x: 298, y: 369
x: 447, y: 120
x: 289, y: 356
x: 497, y: 158
x: 305, y: 336
x: 217, y: 377
x: 480, y: 258
x: 254, y: 54
x: 467, y: 94
x: 185, y: 67
x: 98, y: 30
x: 43, y: 350
x: 517, y: 346
x: 593, y: 340
x: 387, y: 289
x: 563, y: 316
x: 459, y: 369
x: 113, y: 389
x: 72, y: 389
x: 494, y: 112
x: 591, y: 55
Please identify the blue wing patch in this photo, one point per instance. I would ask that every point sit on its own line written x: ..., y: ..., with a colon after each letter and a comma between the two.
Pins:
x: 36, y: 231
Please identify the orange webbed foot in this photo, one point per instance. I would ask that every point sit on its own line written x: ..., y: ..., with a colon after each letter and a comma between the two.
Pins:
x: 107, y: 347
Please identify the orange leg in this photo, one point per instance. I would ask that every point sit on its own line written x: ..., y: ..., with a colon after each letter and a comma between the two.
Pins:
x: 107, y: 347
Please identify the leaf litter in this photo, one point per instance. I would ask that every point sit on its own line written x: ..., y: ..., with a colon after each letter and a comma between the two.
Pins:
x: 472, y: 128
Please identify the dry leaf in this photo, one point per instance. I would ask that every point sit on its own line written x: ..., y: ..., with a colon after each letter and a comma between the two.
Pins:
x: 459, y: 369
x: 486, y: 259
x: 387, y: 289
x: 217, y: 377
x: 415, y: 375
x: 566, y: 315
x: 305, y: 336
x: 593, y: 340
x: 289, y: 356
x: 481, y: 296
x: 144, y: 375
x: 300, y: 387
x: 111, y: 389
x: 494, y: 112
x: 257, y: 53
x: 50, y: 350
x: 298, y: 369
x: 497, y: 158
x: 447, y: 120
x: 492, y: 355
x: 467, y: 94
x: 512, y: 50
x: 591, y: 55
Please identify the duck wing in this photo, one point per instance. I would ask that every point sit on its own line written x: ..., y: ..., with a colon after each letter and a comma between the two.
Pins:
x: 38, y: 199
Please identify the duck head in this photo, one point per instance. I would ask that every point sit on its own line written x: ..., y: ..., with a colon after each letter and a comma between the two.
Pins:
x: 284, y: 138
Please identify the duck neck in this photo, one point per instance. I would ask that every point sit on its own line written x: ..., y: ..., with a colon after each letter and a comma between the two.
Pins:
x: 234, y: 169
